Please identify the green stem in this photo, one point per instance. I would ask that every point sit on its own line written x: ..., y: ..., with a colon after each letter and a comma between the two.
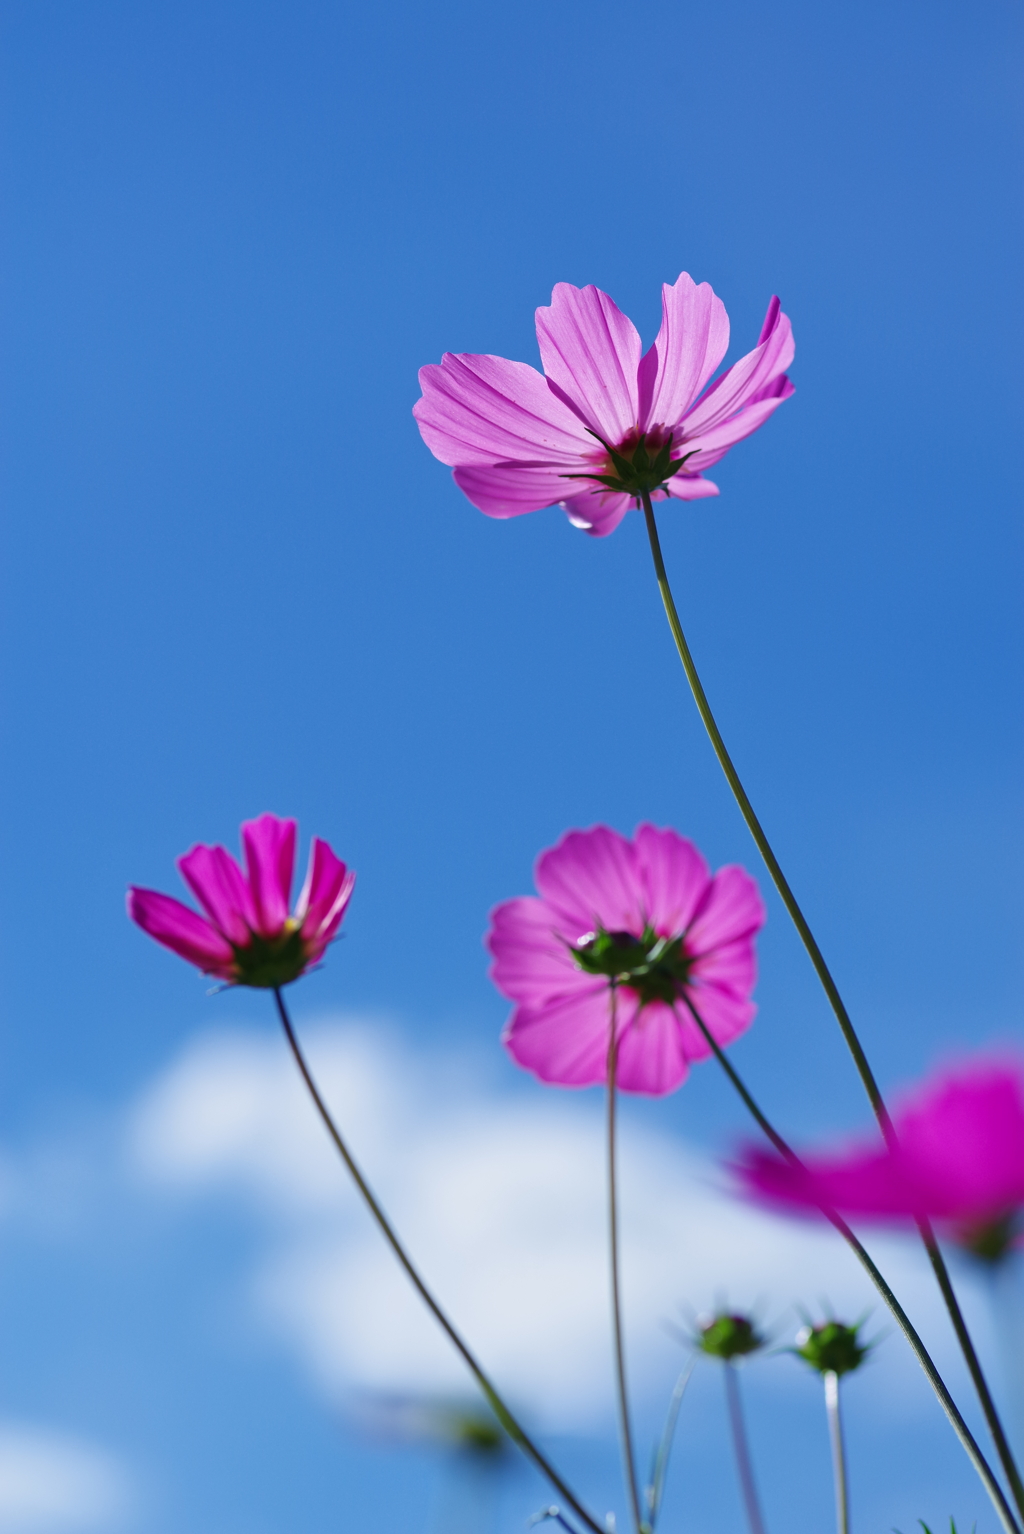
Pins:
x: 656, y: 1490
x: 625, y: 1431
x: 899, y: 1315
x: 512, y: 1427
x: 988, y: 1405
x: 754, y: 825
x: 835, y: 1433
x: 744, y: 1463
x: 853, y: 1043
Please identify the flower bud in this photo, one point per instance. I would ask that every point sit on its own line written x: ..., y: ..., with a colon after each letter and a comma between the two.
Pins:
x: 728, y: 1336
x: 832, y: 1348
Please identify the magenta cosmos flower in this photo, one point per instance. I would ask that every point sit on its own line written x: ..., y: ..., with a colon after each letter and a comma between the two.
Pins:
x: 959, y: 1161
x: 603, y: 424
x: 647, y: 917
x: 248, y: 935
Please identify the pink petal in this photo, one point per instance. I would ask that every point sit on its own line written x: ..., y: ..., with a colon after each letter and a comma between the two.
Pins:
x: 870, y: 1184
x: 692, y: 341
x: 591, y: 879
x: 220, y: 886
x: 183, y: 931
x: 674, y: 877
x: 723, y: 1012
x: 710, y: 446
x: 509, y: 490
x: 591, y: 351
x: 476, y: 409
x: 732, y: 910
x: 690, y: 487
x: 325, y: 895
x: 565, y: 1040
x: 598, y: 512
x: 532, y: 961
x: 731, y: 966
x: 745, y: 380
x: 269, y: 844
x: 960, y: 1156
x: 962, y: 1140
x: 652, y: 1058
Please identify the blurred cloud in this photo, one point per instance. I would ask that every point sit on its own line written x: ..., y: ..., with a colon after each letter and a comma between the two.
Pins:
x: 54, y: 1484
x: 500, y: 1199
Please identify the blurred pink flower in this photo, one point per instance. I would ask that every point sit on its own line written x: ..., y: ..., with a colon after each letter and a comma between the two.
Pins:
x: 602, y: 423
x: 647, y: 914
x: 959, y: 1161
x: 247, y: 936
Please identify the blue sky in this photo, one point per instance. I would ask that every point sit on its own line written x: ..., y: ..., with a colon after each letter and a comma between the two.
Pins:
x: 233, y: 579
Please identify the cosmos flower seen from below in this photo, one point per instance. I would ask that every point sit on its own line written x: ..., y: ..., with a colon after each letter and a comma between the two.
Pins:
x: 959, y: 1162
x: 645, y: 915
x: 603, y: 424
x: 248, y: 935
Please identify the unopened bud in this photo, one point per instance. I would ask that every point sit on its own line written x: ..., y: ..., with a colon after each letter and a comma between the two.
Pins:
x: 728, y: 1336
x: 831, y: 1347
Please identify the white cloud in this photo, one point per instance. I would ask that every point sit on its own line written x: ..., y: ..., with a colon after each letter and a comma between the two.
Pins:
x: 54, y: 1484
x: 500, y: 1199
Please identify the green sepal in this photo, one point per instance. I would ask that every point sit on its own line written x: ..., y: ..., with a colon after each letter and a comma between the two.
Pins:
x: 638, y: 474
x: 832, y: 1348
x: 269, y: 962
x: 655, y: 968
x: 728, y: 1337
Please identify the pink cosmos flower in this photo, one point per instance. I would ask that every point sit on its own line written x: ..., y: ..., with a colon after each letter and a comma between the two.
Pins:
x: 603, y: 424
x: 959, y: 1161
x: 646, y: 916
x: 247, y: 936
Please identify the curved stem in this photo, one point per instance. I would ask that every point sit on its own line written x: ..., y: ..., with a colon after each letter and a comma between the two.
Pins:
x: 899, y: 1315
x: 625, y: 1431
x: 779, y: 879
x: 835, y: 1433
x: 988, y: 1405
x: 656, y: 1490
x: 824, y: 974
x: 744, y: 1464
x: 512, y: 1427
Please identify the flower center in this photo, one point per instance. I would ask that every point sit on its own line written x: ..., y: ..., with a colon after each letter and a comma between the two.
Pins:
x: 654, y: 968
x: 273, y: 961
x: 994, y: 1239
x: 640, y: 464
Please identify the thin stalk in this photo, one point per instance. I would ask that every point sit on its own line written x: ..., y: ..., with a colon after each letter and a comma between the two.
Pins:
x: 824, y: 974
x: 744, y: 1464
x: 625, y: 1431
x: 555, y: 1514
x: 656, y: 1490
x: 512, y: 1427
x: 789, y: 900
x: 988, y: 1405
x: 835, y: 1433
x: 899, y: 1315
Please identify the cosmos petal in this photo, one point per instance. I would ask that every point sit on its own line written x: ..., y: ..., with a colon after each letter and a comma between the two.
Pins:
x: 692, y: 341
x: 597, y: 512
x: 565, y: 1040
x: 479, y: 409
x: 746, y: 380
x: 590, y: 880
x: 674, y: 876
x: 222, y: 890
x: 591, y: 352
x: 508, y: 490
x: 182, y: 930
x: 532, y: 960
x: 269, y: 844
